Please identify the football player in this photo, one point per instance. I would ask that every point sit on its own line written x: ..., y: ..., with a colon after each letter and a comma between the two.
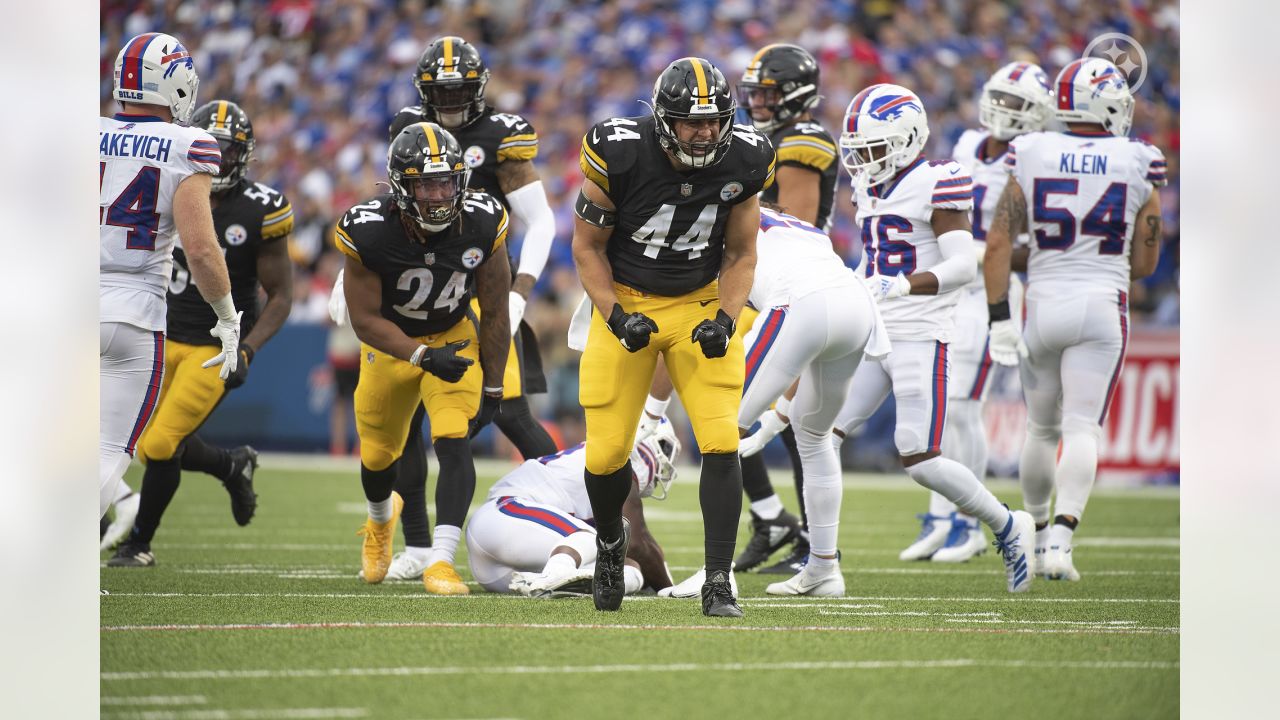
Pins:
x: 918, y: 246
x: 415, y: 258
x: 154, y: 179
x: 1016, y: 100
x: 253, y: 222
x: 534, y: 536
x: 664, y: 243
x: 1088, y: 198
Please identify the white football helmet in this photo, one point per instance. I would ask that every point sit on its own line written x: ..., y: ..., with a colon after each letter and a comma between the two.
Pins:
x: 885, y: 130
x: 1092, y: 90
x: 155, y: 69
x: 654, y: 460
x: 1016, y: 100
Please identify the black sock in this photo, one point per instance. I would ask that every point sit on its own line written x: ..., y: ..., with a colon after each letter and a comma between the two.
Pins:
x: 1066, y: 522
x: 720, y: 493
x: 789, y: 440
x: 159, y: 483
x: 411, y: 483
x: 457, y: 482
x: 608, y: 493
x: 755, y: 478
x: 523, y: 430
x: 378, y: 483
x: 202, y: 457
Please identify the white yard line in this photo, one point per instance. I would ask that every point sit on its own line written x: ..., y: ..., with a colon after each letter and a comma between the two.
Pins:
x: 758, y: 601
x: 243, y: 714
x: 146, y: 700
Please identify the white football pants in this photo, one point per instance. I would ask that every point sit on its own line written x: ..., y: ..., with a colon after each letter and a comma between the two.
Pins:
x: 130, y: 367
x: 511, y: 534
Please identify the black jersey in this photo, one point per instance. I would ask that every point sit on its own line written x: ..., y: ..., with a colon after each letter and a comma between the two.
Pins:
x: 807, y: 145
x: 246, y: 217
x: 492, y: 139
x: 426, y: 287
x: 669, y: 238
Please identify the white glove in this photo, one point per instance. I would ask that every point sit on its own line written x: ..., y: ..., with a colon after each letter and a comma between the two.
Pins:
x: 648, y: 424
x: 515, y: 303
x: 229, y: 334
x: 771, y: 423
x: 886, y: 287
x: 338, y: 302
x: 1006, y: 344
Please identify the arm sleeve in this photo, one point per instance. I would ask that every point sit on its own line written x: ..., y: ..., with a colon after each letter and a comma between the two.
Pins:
x: 529, y: 203
x: 957, y: 268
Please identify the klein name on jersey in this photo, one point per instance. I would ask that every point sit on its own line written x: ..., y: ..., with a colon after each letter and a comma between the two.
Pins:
x: 147, y: 146
x: 1083, y: 164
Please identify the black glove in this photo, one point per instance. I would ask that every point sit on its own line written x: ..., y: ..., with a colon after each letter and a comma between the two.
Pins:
x: 237, y: 378
x: 489, y: 407
x: 714, y: 335
x: 632, y: 329
x: 445, y: 363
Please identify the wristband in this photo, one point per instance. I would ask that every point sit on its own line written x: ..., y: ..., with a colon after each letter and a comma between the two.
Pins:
x: 998, y: 311
x: 492, y: 390
x: 416, y: 358
x: 225, y: 308
x: 656, y: 407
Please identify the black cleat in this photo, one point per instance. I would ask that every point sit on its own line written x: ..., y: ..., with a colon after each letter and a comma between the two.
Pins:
x: 132, y: 554
x: 792, y: 563
x: 767, y: 537
x: 244, y: 501
x: 607, y: 586
x: 717, y: 596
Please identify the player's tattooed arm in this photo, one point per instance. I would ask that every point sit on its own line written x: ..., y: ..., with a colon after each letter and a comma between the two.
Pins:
x: 515, y: 174
x: 738, y: 268
x: 363, y: 289
x: 589, y: 253
x: 643, y: 548
x: 275, y: 272
x: 493, y: 286
x: 1144, y: 254
x: 1010, y: 220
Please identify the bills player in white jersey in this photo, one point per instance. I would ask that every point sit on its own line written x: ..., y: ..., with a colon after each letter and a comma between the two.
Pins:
x: 155, y: 175
x: 1015, y: 100
x: 1094, y: 220
x: 914, y: 216
x: 534, y: 534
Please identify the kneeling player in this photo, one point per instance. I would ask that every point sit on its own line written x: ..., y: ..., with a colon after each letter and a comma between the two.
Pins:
x: 533, y: 535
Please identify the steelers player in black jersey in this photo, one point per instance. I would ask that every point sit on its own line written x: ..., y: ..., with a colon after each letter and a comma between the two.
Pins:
x: 664, y: 242
x: 415, y: 258
x: 253, y: 222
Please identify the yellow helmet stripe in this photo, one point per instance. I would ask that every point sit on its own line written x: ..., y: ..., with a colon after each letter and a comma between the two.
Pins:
x: 448, y: 53
x: 701, y: 75
x: 221, y: 121
x: 755, y: 61
x: 433, y: 143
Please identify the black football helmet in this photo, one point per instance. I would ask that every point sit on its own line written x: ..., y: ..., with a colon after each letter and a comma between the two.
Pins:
x: 692, y: 88
x: 428, y: 176
x: 451, y: 77
x: 230, y: 126
x: 782, y: 79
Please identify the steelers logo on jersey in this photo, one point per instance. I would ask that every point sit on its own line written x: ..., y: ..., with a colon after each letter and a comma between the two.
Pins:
x: 236, y: 235
x: 730, y: 191
x: 472, y: 257
x: 474, y: 156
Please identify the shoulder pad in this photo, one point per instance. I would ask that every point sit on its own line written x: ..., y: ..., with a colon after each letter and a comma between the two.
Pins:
x: 805, y: 144
x: 277, y: 220
x: 952, y: 186
x: 491, y: 215
x: 517, y: 140
x: 405, y: 117
x: 357, y: 225
x: 609, y: 149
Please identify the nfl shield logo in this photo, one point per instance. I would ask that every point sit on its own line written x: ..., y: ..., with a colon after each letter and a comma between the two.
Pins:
x: 686, y: 189
x: 429, y: 259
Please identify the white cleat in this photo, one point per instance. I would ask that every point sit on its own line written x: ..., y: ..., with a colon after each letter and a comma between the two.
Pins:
x: 829, y: 585
x: 406, y: 567
x: 126, y: 513
x: 966, y: 541
x: 539, y: 585
x: 933, y: 535
x: 691, y: 587
x: 1017, y: 549
x: 1058, y: 564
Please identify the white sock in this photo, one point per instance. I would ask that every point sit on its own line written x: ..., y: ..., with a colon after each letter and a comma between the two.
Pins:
x: 446, y: 544
x: 632, y: 579
x: 823, y: 490
x: 954, y: 482
x: 379, y: 512
x: 940, y: 506
x: 559, y: 564
x: 1077, y: 468
x: 1042, y: 539
x: 819, y: 566
x: 1060, y: 535
x: 122, y: 491
x: 1035, y: 469
x: 768, y: 508
x: 418, y: 553
x: 111, y: 467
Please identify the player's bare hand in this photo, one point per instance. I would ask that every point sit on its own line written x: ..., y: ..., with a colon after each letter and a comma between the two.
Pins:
x: 229, y: 334
x: 1006, y: 346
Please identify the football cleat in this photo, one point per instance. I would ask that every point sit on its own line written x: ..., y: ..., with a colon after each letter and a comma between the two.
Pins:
x: 767, y: 537
x: 934, y: 530
x: 540, y: 585
x: 406, y: 567
x: 1016, y: 548
x: 442, y: 579
x: 608, y: 586
x: 802, y: 583
x: 132, y: 554
x: 239, y: 484
x: 126, y: 513
x: 966, y: 540
x: 792, y: 563
x: 1042, y: 546
x: 375, y: 555
x: 691, y: 586
x: 1057, y: 564
x: 718, y: 599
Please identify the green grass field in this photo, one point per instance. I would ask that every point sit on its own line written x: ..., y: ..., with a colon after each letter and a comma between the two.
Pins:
x: 269, y: 621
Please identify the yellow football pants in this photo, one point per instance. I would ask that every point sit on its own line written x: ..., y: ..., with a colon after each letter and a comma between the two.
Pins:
x: 512, y: 377
x: 188, y: 394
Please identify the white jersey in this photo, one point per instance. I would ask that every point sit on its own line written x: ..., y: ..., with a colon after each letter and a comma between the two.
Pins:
x: 141, y: 161
x: 989, y: 178
x: 1083, y: 194
x: 555, y: 480
x: 898, y: 239
x: 793, y: 259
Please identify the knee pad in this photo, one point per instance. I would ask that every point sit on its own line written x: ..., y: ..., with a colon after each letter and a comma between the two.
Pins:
x: 375, y: 456
x: 908, y: 441
x: 158, y: 447
x: 721, y: 440
x: 450, y: 424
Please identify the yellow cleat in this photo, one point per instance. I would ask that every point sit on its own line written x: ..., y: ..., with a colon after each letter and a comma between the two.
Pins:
x: 442, y: 579
x: 375, y: 556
